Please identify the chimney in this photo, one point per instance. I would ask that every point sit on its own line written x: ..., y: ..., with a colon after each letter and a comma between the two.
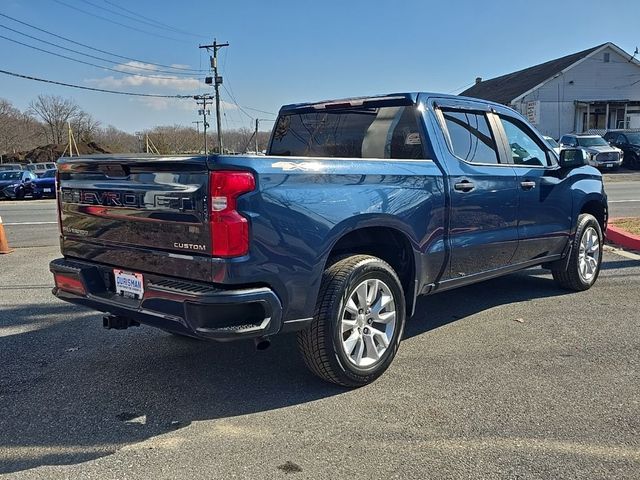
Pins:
x: 478, y: 80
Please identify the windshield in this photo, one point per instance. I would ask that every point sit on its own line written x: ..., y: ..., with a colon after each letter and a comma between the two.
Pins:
x: 551, y: 142
x: 592, y: 142
x: 10, y: 175
x: 49, y: 174
x: 633, y: 138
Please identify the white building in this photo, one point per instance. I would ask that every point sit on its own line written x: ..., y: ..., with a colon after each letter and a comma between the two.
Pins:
x: 596, y: 89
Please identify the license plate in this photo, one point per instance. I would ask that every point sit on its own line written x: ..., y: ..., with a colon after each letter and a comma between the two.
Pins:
x: 609, y: 165
x: 46, y: 190
x: 129, y: 284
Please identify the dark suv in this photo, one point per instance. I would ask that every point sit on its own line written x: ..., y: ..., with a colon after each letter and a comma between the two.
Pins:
x: 629, y: 143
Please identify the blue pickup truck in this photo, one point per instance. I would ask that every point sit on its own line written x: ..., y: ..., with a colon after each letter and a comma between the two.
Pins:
x: 360, y: 206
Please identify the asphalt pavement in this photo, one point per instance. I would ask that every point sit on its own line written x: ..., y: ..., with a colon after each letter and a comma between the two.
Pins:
x: 624, y: 198
x: 30, y: 223
x: 511, y: 378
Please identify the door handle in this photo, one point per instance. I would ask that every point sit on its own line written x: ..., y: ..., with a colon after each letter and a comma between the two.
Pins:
x: 464, y: 186
x: 528, y: 185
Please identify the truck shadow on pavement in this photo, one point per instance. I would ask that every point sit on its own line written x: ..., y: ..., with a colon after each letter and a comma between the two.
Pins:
x: 71, y: 392
x: 447, y: 307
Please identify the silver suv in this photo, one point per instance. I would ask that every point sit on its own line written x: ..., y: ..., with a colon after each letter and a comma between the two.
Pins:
x: 596, y: 149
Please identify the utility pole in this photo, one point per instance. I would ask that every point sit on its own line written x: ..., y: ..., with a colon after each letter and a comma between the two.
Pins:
x: 217, y: 81
x: 256, y: 133
x: 204, y: 101
x: 197, y: 122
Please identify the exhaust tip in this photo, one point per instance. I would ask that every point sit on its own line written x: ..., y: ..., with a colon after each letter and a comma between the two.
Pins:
x: 262, y: 344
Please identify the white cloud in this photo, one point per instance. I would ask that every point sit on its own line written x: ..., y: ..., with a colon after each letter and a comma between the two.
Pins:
x: 146, y: 78
x: 160, y: 81
x: 136, y: 67
x: 162, y: 104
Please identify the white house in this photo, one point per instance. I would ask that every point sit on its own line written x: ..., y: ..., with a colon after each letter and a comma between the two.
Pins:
x: 596, y: 89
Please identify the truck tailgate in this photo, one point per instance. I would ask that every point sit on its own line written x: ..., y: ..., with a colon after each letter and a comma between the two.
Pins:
x: 136, y: 212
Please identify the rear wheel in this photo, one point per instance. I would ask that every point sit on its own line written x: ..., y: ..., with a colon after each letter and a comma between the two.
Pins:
x: 583, y: 265
x: 358, y: 322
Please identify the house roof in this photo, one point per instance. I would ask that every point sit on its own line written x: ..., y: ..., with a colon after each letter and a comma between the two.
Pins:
x: 508, y: 87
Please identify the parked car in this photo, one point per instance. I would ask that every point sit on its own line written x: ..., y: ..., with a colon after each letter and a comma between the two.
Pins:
x: 551, y: 141
x: 11, y: 166
x: 597, y: 150
x: 629, y: 143
x: 17, y: 184
x: 40, y: 168
x: 46, y: 184
x: 360, y: 206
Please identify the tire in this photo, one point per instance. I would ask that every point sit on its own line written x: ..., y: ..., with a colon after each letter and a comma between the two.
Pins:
x: 20, y: 194
x: 339, y: 326
x: 583, y: 266
x: 631, y: 161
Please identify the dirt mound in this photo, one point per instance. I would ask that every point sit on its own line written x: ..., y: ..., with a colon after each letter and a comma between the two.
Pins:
x: 51, y: 153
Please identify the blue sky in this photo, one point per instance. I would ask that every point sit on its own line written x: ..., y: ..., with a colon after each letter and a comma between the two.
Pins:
x: 285, y: 51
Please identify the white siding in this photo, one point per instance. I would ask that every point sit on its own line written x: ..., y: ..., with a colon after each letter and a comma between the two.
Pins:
x: 593, y: 79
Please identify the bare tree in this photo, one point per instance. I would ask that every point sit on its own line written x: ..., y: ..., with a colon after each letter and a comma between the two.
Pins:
x: 117, y: 141
x: 84, y: 126
x: 55, y: 112
x: 17, y: 130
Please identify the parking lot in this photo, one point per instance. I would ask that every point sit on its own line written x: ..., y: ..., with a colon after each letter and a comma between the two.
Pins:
x: 511, y: 378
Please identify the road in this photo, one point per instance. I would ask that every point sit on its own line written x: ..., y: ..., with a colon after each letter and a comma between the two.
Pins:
x: 511, y: 378
x: 33, y: 222
x: 624, y: 198
x: 30, y: 223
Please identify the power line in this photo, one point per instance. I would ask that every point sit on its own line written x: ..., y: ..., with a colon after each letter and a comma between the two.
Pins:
x: 97, y: 49
x: 233, y: 99
x: 135, y: 29
x: 140, y: 18
x: 102, y: 59
x: 102, y: 90
x: 86, y: 63
x: 242, y: 107
x: 463, y: 87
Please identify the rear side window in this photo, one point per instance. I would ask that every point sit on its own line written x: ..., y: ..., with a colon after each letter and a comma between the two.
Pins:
x: 367, y: 132
x: 471, y: 138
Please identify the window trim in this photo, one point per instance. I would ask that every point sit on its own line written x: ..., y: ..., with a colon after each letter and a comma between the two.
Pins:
x: 439, y: 111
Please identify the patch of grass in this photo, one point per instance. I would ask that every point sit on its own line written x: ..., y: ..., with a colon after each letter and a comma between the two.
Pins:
x: 631, y: 225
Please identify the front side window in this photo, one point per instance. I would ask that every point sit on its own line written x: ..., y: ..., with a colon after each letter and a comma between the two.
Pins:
x: 356, y: 132
x: 471, y: 138
x: 525, y: 150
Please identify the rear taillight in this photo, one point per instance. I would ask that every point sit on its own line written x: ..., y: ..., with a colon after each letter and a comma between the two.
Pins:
x: 69, y: 284
x: 229, y: 229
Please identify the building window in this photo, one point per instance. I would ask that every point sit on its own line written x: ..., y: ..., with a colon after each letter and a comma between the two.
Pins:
x: 607, y: 56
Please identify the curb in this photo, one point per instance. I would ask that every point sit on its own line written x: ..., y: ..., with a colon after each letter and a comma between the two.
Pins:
x: 622, y: 237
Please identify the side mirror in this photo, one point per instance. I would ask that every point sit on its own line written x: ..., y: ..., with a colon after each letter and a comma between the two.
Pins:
x: 571, y: 158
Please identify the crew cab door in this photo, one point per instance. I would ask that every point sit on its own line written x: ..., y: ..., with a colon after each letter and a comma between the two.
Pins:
x: 483, y: 231
x: 544, y: 198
